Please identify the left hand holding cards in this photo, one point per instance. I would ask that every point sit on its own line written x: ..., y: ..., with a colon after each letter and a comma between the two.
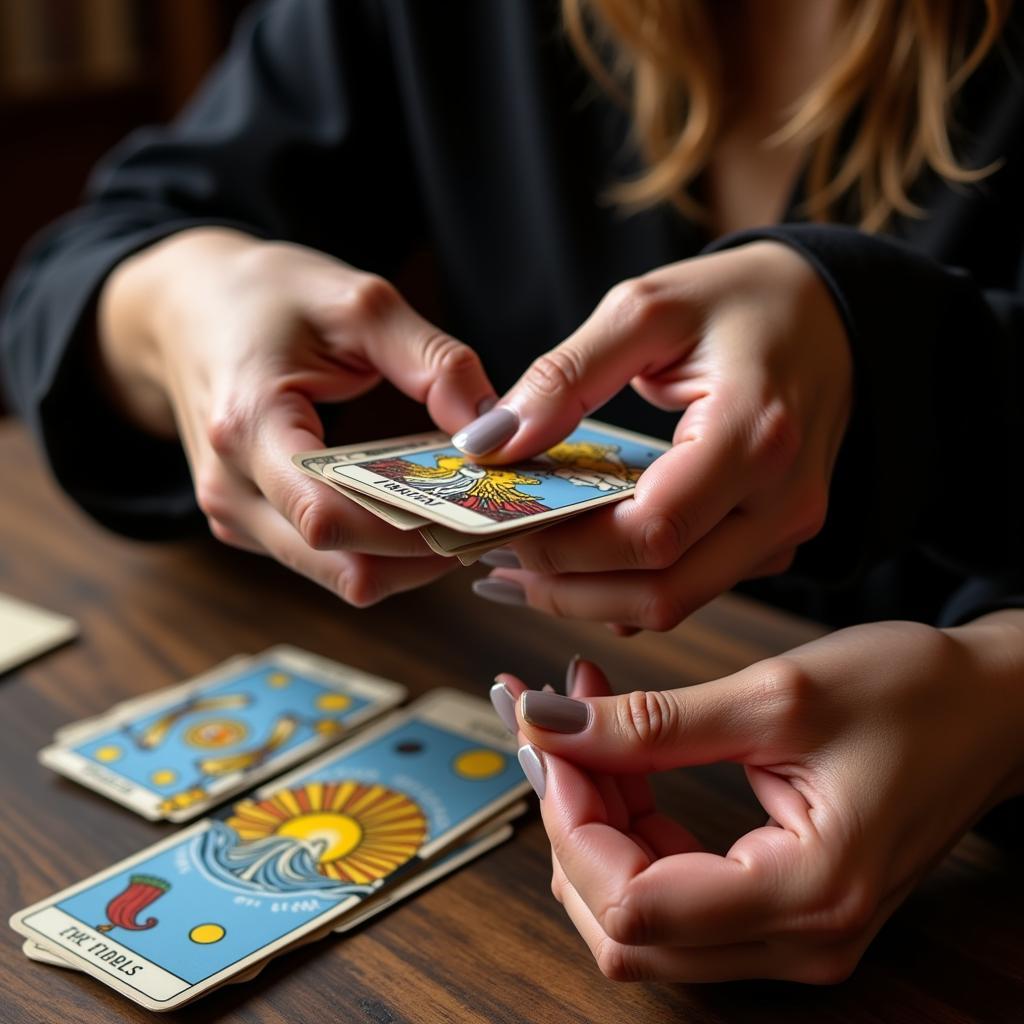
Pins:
x: 748, y: 343
x: 230, y: 341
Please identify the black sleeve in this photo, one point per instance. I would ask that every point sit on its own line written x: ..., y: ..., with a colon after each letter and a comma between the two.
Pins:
x: 934, y: 454
x: 295, y: 135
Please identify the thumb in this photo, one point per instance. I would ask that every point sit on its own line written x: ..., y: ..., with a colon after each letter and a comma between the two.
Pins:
x: 379, y: 328
x: 650, y: 730
x: 573, y: 379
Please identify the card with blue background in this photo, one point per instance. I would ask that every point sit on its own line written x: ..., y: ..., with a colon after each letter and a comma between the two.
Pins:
x: 179, y: 752
x: 185, y: 915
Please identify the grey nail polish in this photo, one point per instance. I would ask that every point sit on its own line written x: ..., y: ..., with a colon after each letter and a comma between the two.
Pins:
x: 501, y: 558
x: 570, y: 675
x: 532, y: 763
x: 555, y: 712
x: 505, y: 706
x: 486, y: 405
x: 487, y: 432
x: 502, y: 591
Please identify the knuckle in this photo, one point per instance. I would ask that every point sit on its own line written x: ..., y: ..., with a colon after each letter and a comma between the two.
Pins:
x: 369, y: 297
x: 357, y: 586
x: 616, y: 962
x: 212, y: 494
x: 647, y: 717
x: 661, y: 542
x: 227, y: 430
x: 224, y: 533
x: 318, y: 528
x: 809, y: 514
x: 661, y: 610
x: 634, y: 304
x: 448, y: 357
x: 846, y: 909
x: 775, y: 437
x: 785, y: 690
x: 625, y: 921
x: 555, y: 373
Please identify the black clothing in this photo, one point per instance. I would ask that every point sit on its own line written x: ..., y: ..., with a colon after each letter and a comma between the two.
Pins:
x: 372, y: 129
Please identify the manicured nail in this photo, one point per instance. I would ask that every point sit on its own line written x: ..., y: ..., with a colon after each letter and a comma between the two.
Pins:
x: 486, y: 405
x: 502, y: 591
x: 532, y: 762
x: 555, y: 712
x: 570, y: 675
x: 505, y: 705
x: 501, y: 558
x: 487, y: 432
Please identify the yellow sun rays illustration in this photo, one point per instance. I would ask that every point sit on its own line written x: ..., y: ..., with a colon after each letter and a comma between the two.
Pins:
x: 368, y: 831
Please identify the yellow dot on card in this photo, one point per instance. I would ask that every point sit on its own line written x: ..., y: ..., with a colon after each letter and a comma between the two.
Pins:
x: 278, y: 680
x: 333, y: 702
x: 479, y: 764
x: 108, y: 754
x: 204, y: 934
x: 327, y: 726
x: 163, y: 777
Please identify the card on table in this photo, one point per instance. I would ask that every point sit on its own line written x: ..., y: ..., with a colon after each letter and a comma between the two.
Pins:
x: 27, y: 631
x: 209, y: 903
x: 425, y: 476
x: 176, y: 753
x: 481, y: 841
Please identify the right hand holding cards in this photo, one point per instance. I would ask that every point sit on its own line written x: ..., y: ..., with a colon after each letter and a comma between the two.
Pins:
x: 462, y: 509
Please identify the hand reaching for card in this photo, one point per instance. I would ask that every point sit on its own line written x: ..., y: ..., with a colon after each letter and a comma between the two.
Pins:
x: 229, y: 342
x: 871, y: 750
x: 749, y: 343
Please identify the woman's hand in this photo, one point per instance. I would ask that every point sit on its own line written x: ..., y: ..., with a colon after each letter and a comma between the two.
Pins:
x: 229, y: 341
x: 871, y: 750
x: 749, y: 343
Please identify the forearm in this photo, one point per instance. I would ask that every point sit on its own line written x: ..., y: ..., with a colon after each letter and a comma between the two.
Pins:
x: 994, y: 646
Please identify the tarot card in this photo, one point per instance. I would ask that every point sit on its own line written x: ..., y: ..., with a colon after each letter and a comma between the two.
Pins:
x: 176, y: 920
x: 594, y: 465
x: 178, y: 752
x: 27, y: 631
x: 320, y: 465
x: 156, y: 698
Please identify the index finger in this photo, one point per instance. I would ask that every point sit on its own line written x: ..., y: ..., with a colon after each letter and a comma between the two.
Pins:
x: 686, y: 899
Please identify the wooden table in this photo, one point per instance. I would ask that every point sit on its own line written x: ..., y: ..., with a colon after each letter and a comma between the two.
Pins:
x: 488, y: 944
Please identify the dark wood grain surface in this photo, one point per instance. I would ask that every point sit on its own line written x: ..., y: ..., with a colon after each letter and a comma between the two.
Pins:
x: 488, y: 944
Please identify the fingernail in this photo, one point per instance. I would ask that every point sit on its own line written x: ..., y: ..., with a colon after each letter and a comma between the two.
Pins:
x: 532, y: 763
x: 555, y: 712
x: 486, y: 432
x: 570, y: 675
x: 501, y: 558
x: 548, y: 688
x: 505, y: 705
x: 486, y: 405
x: 502, y: 591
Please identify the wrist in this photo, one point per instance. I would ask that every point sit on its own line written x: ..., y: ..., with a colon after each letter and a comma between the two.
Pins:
x: 994, y: 645
x: 142, y: 309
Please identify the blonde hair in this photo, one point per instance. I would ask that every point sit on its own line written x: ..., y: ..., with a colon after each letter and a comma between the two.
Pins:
x: 897, y: 66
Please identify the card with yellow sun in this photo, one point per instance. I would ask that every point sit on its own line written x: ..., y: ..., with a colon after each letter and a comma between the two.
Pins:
x: 187, y: 914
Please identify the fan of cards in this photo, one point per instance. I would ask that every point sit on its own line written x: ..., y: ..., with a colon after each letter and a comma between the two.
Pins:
x: 409, y: 799
x: 421, y: 482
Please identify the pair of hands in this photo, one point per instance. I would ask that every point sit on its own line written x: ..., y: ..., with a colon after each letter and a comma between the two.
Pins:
x: 229, y: 342
x: 871, y: 751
